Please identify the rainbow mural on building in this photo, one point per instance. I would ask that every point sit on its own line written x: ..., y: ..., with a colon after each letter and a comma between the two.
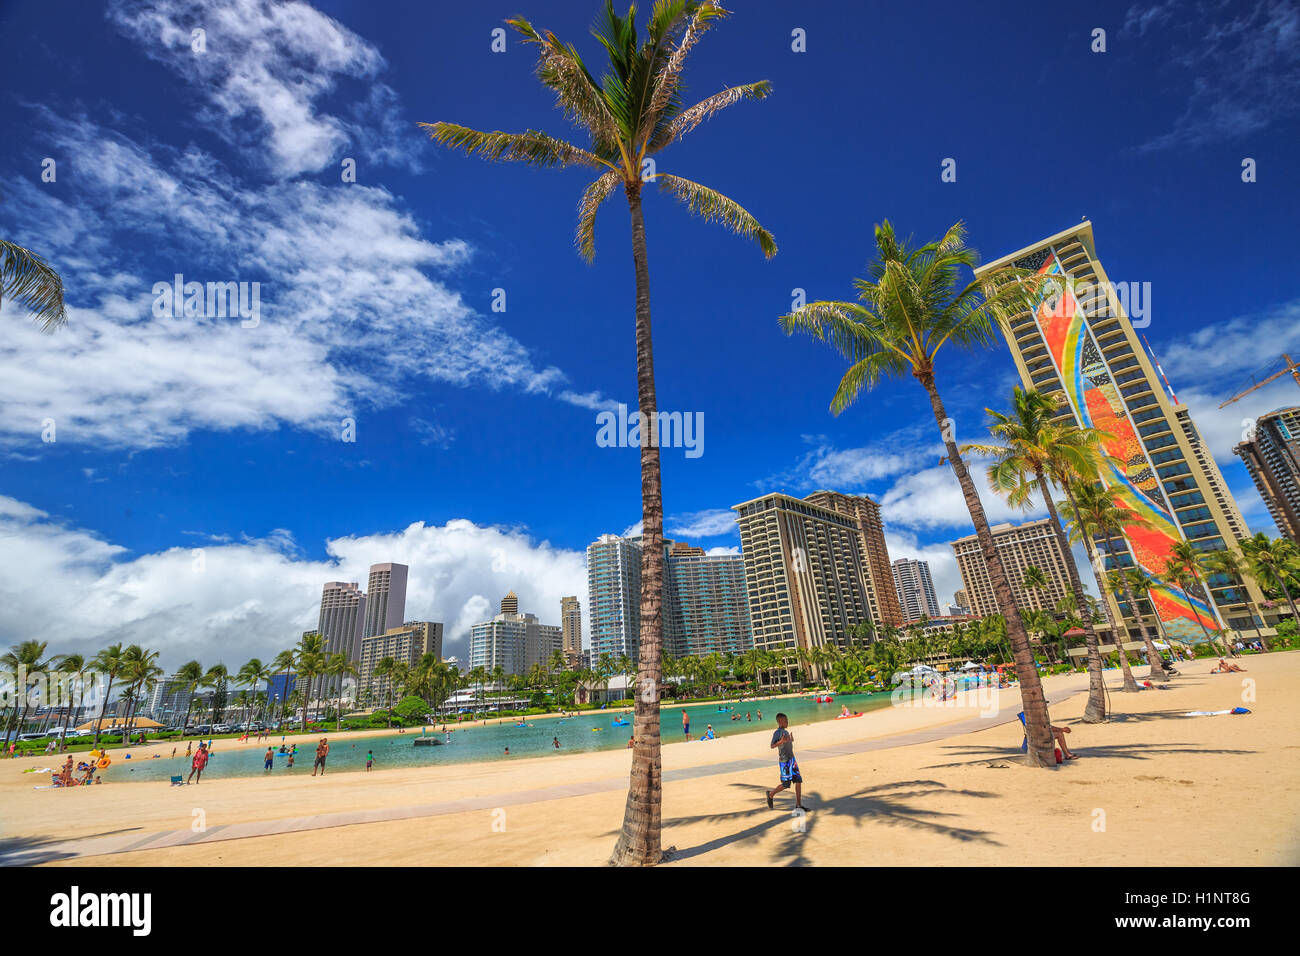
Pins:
x: 1097, y: 403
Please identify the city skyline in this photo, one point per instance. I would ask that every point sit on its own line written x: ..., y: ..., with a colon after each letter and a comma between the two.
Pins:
x: 222, y: 499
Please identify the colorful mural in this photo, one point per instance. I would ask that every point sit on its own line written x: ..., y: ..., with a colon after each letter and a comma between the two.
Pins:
x: 1096, y: 401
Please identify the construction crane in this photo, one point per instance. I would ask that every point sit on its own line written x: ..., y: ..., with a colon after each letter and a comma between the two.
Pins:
x: 1288, y: 366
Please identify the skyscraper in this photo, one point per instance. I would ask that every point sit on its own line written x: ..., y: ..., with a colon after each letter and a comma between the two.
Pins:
x: 342, y: 618
x: 704, y: 602
x: 385, y: 600
x: 513, y: 641
x: 1033, y: 543
x: 1272, y: 456
x: 706, y: 605
x: 915, y: 589
x: 882, y: 597
x: 1079, y: 344
x: 614, y: 596
x: 571, y: 631
x: 406, y: 644
x: 804, y: 572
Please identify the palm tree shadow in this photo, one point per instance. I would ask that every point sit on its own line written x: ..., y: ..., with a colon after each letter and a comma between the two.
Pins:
x: 980, y: 754
x: 27, y: 851
x: 890, y: 804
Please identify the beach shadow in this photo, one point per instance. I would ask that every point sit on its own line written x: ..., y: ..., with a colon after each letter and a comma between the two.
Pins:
x: 891, y: 804
x: 26, y: 851
x: 977, y: 754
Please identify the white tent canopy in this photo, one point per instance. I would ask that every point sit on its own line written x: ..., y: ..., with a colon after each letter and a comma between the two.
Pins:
x: 968, y: 665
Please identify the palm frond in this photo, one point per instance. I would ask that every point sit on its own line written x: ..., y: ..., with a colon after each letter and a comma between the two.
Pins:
x: 667, y: 80
x: 688, y: 119
x: 28, y: 278
x: 592, y: 197
x: 531, y: 146
x: 712, y: 206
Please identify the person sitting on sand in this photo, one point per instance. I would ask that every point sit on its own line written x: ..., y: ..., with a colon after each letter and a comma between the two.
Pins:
x: 1226, y: 668
x: 1059, y: 733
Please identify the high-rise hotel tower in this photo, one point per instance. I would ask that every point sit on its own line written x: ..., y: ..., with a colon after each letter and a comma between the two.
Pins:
x: 1078, y: 343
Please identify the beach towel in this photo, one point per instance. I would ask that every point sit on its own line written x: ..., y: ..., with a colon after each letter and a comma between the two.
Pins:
x: 1215, y: 713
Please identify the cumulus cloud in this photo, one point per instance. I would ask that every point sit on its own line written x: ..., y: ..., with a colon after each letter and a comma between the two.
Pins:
x: 703, y: 524
x: 233, y: 601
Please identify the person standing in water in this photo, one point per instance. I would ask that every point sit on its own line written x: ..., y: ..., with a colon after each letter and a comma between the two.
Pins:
x: 783, y: 744
x: 686, y: 724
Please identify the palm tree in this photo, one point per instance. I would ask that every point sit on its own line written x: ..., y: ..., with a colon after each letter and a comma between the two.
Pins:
x: 1230, y: 565
x: 384, y: 672
x: 339, y: 667
x: 1272, y: 561
x: 632, y: 114
x: 253, y: 673
x: 190, y: 676
x: 26, y: 657
x: 907, y: 310
x: 28, y: 278
x: 1036, y: 450
x: 284, y: 664
x: 309, y: 659
x: 76, y: 665
x: 1092, y: 512
x: 1034, y: 583
x: 110, y: 662
x: 1185, y: 553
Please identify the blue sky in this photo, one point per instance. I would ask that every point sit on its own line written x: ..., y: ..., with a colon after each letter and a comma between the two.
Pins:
x: 475, y: 458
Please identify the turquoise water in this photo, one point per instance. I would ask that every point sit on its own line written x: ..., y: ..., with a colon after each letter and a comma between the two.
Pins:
x: 590, y: 731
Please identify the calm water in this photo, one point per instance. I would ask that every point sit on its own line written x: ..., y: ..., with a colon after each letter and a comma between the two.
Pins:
x: 591, y: 731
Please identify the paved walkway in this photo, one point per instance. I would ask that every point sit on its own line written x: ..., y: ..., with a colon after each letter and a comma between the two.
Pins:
x: 125, y: 843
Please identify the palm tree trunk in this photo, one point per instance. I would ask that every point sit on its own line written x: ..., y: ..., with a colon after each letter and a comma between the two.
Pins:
x: 1038, y: 724
x: 1095, y: 712
x: 1130, y: 685
x: 638, y: 844
x: 99, y: 721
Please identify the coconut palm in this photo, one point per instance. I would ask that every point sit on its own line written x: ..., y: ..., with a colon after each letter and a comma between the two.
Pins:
x: 27, y: 657
x: 76, y: 665
x: 1186, y: 555
x: 908, y: 308
x: 1229, y: 564
x: 189, y: 675
x: 1035, y: 451
x: 253, y: 673
x: 109, y: 662
x: 1092, y: 512
x: 28, y: 278
x: 338, y: 667
x: 1272, y: 562
x: 633, y: 113
x: 283, y: 664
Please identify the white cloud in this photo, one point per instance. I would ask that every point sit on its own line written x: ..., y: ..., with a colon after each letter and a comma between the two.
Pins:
x: 253, y: 599
x: 932, y: 498
x: 703, y: 524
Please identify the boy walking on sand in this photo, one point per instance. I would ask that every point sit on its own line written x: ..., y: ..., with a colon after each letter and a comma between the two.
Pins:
x: 783, y: 744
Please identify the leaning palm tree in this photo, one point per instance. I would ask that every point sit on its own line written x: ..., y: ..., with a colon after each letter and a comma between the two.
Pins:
x: 632, y: 114
x: 1033, y: 451
x: 907, y: 310
x: 1186, y: 553
x: 1229, y: 564
x: 27, y: 277
x: 1092, y: 513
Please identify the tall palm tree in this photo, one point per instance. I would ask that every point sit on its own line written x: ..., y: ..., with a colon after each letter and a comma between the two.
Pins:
x: 190, y: 676
x: 908, y: 308
x: 384, y: 672
x: 27, y: 277
x: 217, y: 676
x: 339, y: 667
x: 1092, y: 512
x: 1035, y: 451
x: 633, y: 113
x: 76, y: 665
x: 1186, y: 554
x: 1272, y: 561
x: 284, y: 664
x: 29, y: 658
x: 1034, y: 583
x: 253, y: 673
x: 1229, y: 563
x: 109, y: 662
x: 143, y: 672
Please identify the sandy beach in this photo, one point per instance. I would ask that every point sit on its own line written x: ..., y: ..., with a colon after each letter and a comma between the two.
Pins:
x: 905, y: 785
